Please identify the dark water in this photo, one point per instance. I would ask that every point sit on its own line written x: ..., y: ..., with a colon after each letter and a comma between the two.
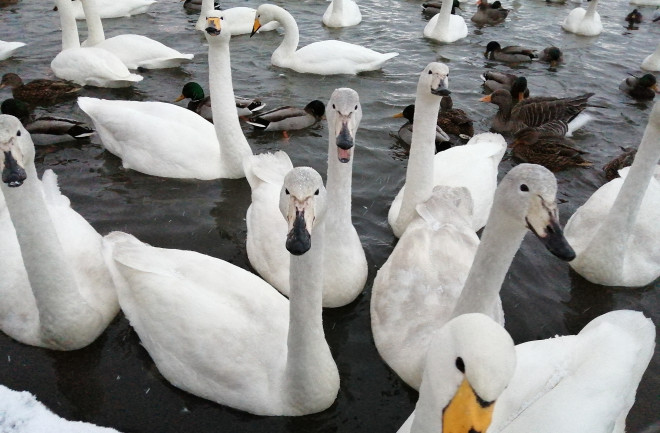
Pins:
x: 114, y: 383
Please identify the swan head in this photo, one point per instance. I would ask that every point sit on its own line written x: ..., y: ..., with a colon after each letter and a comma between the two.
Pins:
x: 302, y: 202
x: 434, y: 80
x: 527, y: 195
x: 214, y: 30
x: 16, y: 150
x: 264, y: 14
x: 470, y: 362
x: 344, y: 113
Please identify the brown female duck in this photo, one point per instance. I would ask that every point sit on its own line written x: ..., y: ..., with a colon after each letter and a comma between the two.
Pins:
x: 453, y: 120
x: 39, y: 92
x: 535, y: 146
x: 533, y: 111
x: 516, y: 85
x: 552, y: 55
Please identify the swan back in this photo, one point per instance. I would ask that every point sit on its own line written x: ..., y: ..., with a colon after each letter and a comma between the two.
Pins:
x: 584, y: 22
x: 652, y: 61
x: 446, y: 27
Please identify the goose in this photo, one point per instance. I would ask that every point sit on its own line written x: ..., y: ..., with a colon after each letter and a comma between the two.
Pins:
x: 442, y: 140
x: 643, y: 88
x: 516, y: 85
x: 41, y: 91
x: 584, y: 22
x: 289, y: 118
x: 490, y: 14
x: 511, y: 53
x: 201, y: 104
x: 113, y: 8
x: 56, y: 290
x: 342, y: 13
x: 251, y: 349
x: 615, y: 232
x: 550, y: 150
x: 552, y: 55
x: 446, y: 27
x: 652, y: 61
x: 536, y: 111
x: 561, y: 384
x: 45, y: 125
x: 324, y: 57
x: 469, y: 364
x: 439, y: 269
x: 21, y: 408
x: 148, y: 136
x: 135, y: 51
x: 473, y: 165
x: 240, y: 19
x: 7, y: 49
x: 87, y: 65
x: 344, y: 260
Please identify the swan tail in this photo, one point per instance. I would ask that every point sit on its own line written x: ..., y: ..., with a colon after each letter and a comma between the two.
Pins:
x: 577, y: 123
x: 494, y: 145
x: 51, y: 190
x: 127, y: 250
x: 266, y: 168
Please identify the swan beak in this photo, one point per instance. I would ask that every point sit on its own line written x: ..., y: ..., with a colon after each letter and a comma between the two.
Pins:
x: 213, y: 26
x: 255, y: 27
x: 298, y: 240
x: 545, y: 225
x: 180, y: 98
x: 485, y: 98
x: 442, y: 89
x: 13, y: 174
x: 467, y: 412
x: 345, y: 142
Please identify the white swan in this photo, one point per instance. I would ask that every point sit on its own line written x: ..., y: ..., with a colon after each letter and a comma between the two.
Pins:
x: 240, y: 19
x: 344, y: 261
x: 469, y: 364
x: 342, y: 13
x: 584, y: 22
x: 133, y: 50
x: 87, y: 66
x: 652, y: 61
x: 7, y: 49
x: 324, y: 57
x: 615, y: 233
x: 22, y: 412
x: 167, y: 140
x: 114, y: 8
x: 446, y: 27
x: 439, y: 270
x: 222, y: 333
x: 56, y: 290
x: 645, y: 2
x: 563, y: 384
x: 473, y: 165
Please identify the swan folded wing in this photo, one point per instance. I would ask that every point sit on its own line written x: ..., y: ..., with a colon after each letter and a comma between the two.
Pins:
x: 51, y: 189
x: 267, y: 168
x: 340, y: 57
x: 137, y: 50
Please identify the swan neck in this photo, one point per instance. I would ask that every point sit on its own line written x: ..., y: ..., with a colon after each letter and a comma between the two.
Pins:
x: 62, y: 313
x: 419, y: 174
x: 500, y: 241
x: 95, y: 33
x: 591, y: 9
x: 443, y: 17
x: 233, y: 145
x: 70, y: 37
x: 289, y: 44
x: 337, y: 7
x: 338, y: 185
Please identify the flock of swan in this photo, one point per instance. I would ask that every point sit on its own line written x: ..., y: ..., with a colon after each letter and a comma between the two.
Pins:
x: 255, y: 341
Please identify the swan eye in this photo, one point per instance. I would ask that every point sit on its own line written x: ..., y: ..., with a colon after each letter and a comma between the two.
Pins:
x: 460, y: 364
x: 524, y: 187
x: 18, y: 133
x: 333, y: 107
x: 316, y: 192
x: 286, y: 191
x: 430, y: 72
x: 222, y: 18
x: 356, y: 107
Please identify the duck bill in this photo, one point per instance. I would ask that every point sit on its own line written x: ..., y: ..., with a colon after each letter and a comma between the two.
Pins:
x: 213, y: 26
x: 299, y: 238
x: 467, y: 412
x: 485, y: 98
x: 398, y: 116
x: 180, y: 98
x: 13, y: 174
x: 255, y: 27
x: 545, y: 225
x: 345, y: 142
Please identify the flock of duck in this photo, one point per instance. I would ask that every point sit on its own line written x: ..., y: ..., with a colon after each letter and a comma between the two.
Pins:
x: 436, y: 314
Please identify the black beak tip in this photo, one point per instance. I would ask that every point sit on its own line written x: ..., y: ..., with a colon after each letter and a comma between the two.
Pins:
x: 298, y: 245
x: 252, y: 33
x: 212, y: 31
x: 441, y: 92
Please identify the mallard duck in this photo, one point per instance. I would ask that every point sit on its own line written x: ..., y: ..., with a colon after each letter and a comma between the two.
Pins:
x: 535, y: 146
x: 634, y: 17
x: 289, y: 118
x: 7, y: 48
x: 429, y: 8
x: 516, y: 85
x: 453, y: 120
x: 201, y: 104
x: 533, y: 111
x: 652, y: 61
x: 46, y: 124
x: 489, y: 13
x: 511, y: 53
x: 406, y: 131
x: 644, y: 87
x: 622, y: 160
x: 39, y: 92
x: 552, y: 55
x: 584, y: 22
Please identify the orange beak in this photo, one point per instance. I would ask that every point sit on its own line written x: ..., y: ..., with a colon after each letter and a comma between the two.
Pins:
x: 398, y: 115
x: 485, y: 98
